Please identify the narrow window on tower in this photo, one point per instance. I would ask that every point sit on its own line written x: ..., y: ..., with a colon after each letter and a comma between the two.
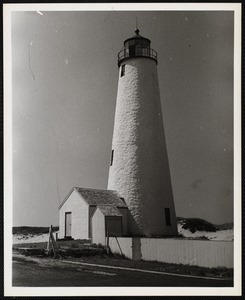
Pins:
x: 167, y: 217
x: 122, y: 70
x: 112, y: 153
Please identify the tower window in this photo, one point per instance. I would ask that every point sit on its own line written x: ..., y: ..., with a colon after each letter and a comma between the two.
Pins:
x: 112, y: 154
x: 122, y: 70
x: 167, y: 217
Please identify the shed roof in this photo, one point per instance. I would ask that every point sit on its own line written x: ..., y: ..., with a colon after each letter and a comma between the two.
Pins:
x: 98, y: 197
x: 109, y: 210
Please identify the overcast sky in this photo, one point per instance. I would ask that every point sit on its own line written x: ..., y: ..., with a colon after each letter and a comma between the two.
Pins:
x: 64, y: 86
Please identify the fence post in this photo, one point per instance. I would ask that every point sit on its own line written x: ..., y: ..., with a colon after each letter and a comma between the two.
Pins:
x: 107, y: 242
x: 52, y: 240
x: 48, y: 245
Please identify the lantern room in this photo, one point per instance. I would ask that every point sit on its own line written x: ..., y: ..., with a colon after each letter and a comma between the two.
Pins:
x: 137, y: 46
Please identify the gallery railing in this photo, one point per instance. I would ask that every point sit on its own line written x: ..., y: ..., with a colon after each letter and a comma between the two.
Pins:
x: 142, y: 52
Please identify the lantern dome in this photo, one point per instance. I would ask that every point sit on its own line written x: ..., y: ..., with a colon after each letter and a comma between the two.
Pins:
x: 136, y: 46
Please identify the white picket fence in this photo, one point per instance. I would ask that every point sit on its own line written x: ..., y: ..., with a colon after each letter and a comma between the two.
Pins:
x: 179, y: 251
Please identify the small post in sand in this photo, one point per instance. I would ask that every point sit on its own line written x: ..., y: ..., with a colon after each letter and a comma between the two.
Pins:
x: 51, y: 241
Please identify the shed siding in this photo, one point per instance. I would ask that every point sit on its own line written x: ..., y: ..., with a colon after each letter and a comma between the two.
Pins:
x: 98, y: 228
x: 79, y: 217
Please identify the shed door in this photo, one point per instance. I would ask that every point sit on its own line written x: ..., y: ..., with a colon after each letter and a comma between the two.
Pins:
x: 68, y: 224
x: 114, y: 226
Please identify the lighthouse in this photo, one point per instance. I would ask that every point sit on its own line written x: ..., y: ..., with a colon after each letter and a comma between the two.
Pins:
x: 139, y: 168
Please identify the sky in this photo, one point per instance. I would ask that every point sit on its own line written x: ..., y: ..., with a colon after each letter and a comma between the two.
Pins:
x: 64, y: 86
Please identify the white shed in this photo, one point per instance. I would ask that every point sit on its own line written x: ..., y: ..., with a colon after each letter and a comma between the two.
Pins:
x: 77, y: 209
x: 106, y: 220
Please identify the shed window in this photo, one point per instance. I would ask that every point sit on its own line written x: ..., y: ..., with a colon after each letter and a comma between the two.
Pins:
x: 167, y: 217
x: 122, y: 70
x: 112, y: 154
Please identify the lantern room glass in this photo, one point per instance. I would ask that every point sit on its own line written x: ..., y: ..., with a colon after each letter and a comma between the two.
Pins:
x: 137, y: 47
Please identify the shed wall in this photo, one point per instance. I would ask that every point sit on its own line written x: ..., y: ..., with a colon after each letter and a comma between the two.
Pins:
x: 98, y: 228
x: 79, y: 217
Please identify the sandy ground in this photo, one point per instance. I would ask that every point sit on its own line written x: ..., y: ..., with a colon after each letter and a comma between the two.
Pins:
x: 222, y: 235
x: 31, y: 238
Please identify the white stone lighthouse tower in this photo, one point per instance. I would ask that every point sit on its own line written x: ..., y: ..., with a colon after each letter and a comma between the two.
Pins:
x: 139, y: 169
